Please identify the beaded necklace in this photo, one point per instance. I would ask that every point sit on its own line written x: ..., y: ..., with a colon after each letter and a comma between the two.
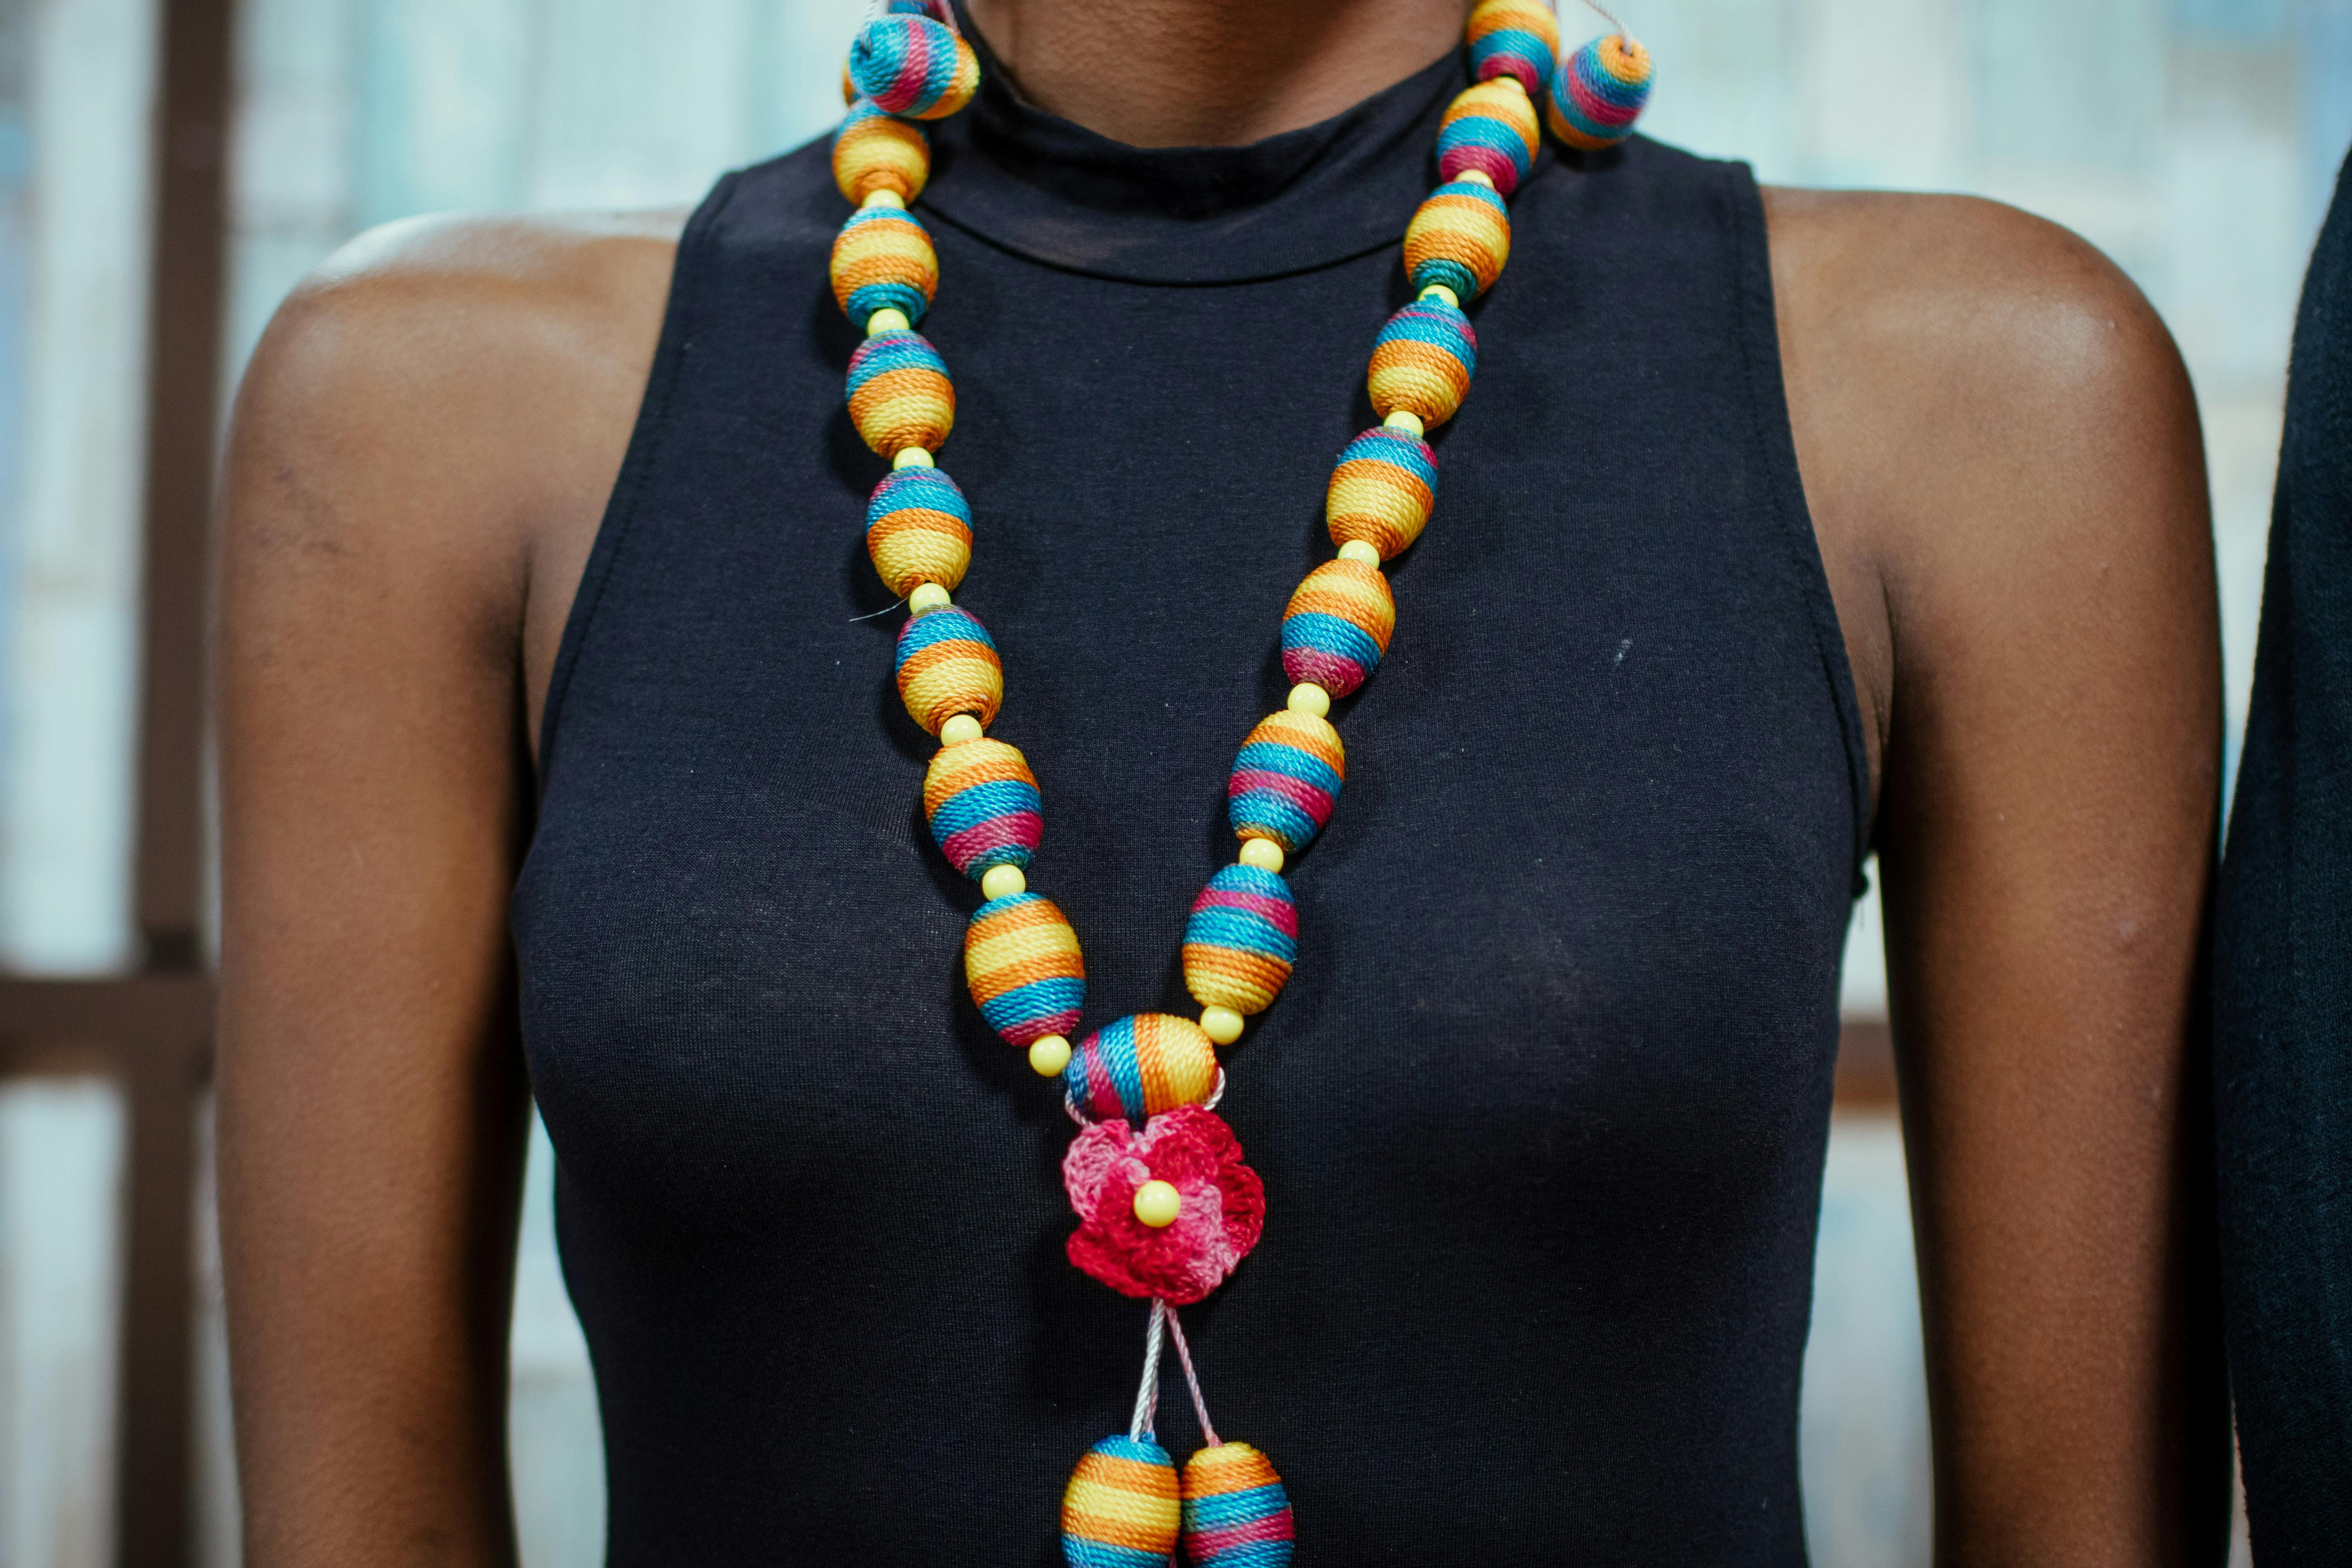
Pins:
x: 1167, y: 1208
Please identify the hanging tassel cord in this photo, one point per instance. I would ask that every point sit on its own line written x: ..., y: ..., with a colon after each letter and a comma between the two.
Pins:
x: 1192, y: 1381
x: 1605, y: 14
x: 1147, y: 1398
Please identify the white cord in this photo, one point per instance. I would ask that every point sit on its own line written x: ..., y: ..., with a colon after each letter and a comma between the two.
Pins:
x: 1606, y: 14
x: 1147, y: 1398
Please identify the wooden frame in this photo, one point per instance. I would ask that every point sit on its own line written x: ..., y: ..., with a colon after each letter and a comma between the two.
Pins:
x: 152, y: 1030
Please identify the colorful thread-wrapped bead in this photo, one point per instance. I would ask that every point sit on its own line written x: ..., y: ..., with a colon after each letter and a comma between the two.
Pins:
x: 1121, y: 1508
x: 1021, y: 961
x: 1598, y: 92
x: 947, y: 664
x: 1421, y: 361
x: 1460, y: 238
x: 1338, y: 626
x: 914, y: 66
x: 1141, y: 1066
x: 919, y: 530
x: 1382, y: 490
x: 1241, y: 939
x: 1514, y: 38
x: 874, y: 152
x: 883, y: 260
x: 900, y: 393
x: 982, y: 803
x: 1489, y: 127
x: 1236, y: 1514
x: 1285, y: 780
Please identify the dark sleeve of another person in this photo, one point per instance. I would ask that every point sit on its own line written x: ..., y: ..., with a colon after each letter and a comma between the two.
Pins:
x: 2282, y: 981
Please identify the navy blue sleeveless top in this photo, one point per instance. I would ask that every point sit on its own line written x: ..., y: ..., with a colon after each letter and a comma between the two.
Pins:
x: 1541, y: 1114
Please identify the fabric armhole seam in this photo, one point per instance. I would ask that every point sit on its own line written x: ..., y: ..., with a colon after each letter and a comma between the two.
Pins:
x: 1760, y: 352
x: 638, y: 463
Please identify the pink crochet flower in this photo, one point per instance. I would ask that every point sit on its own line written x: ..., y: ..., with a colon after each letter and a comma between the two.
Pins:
x: 1223, y: 1204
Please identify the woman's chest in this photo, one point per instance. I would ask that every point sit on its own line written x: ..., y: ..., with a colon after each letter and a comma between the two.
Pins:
x: 1585, y: 880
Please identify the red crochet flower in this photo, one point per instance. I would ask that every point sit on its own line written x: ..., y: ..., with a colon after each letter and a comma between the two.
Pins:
x: 1223, y: 1204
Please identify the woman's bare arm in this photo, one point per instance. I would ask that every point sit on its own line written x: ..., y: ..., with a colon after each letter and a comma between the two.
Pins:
x: 2002, y: 452
x: 420, y: 454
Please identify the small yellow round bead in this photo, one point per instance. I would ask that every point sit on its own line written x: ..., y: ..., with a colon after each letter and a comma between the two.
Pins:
x: 1309, y: 698
x: 927, y: 597
x: 1157, y: 1204
x: 1515, y: 81
x: 1221, y: 1025
x: 889, y: 321
x: 1362, y: 550
x: 1480, y: 177
x: 1435, y: 292
x: 957, y: 730
x: 915, y: 458
x: 1400, y: 419
x: 885, y: 198
x: 1048, y: 1054
x: 1002, y: 882
x: 1262, y: 852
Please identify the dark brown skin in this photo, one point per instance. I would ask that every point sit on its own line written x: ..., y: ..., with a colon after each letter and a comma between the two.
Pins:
x: 2001, y: 457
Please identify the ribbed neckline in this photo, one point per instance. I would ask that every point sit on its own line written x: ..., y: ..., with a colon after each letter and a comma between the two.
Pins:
x: 1049, y: 189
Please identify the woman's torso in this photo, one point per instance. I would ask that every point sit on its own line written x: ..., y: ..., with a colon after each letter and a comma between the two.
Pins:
x: 1540, y: 1113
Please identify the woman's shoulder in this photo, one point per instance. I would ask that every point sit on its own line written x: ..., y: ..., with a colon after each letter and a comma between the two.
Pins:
x: 1986, y: 412
x: 449, y: 400
x: 1960, y: 279
x: 438, y: 320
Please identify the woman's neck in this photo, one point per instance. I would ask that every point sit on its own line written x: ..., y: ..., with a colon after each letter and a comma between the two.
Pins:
x: 1186, y: 73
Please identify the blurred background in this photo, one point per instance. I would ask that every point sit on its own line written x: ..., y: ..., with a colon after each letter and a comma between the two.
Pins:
x: 168, y: 171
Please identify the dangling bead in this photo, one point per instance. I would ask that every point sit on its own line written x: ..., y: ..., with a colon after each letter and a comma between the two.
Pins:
x: 1285, y: 780
x: 1421, y: 361
x: 883, y: 260
x: 872, y: 152
x: 1490, y: 128
x: 1598, y: 92
x: 947, y: 665
x: 1458, y: 239
x: 1519, y: 39
x: 1021, y: 961
x: 1241, y: 939
x: 913, y: 66
x: 1382, y: 490
x: 1236, y: 1513
x: 900, y: 393
x: 1338, y: 627
x: 1141, y: 1066
x: 1121, y: 1507
x: 919, y: 530
x: 982, y: 804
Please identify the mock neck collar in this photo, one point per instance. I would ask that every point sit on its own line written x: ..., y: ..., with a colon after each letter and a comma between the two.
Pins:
x: 1049, y: 189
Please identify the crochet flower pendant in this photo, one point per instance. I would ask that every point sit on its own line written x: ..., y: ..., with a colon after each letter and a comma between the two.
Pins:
x: 1220, y: 1204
